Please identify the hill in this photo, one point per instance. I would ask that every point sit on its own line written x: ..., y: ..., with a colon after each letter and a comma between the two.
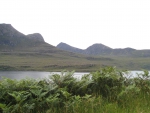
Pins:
x: 69, y: 48
x: 100, y: 49
x: 97, y: 49
x: 13, y: 40
x: 31, y: 52
x: 36, y: 37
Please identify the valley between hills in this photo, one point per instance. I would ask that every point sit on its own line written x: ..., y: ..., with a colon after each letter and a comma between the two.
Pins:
x: 31, y: 52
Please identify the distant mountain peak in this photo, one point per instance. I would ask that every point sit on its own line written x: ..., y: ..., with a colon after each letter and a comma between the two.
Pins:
x: 6, y: 25
x: 98, y: 49
x: 99, y: 46
x: 9, y: 30
x: 36, y: 36
x: 67, y: 47
x: 129, y: 48
x: 11, y: 39
x: 64, y: 45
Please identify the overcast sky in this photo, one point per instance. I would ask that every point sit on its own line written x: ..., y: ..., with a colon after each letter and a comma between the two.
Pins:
x: 81, y: 23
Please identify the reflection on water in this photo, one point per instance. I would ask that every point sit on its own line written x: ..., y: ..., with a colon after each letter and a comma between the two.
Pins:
x: 133, y: 74
x: 32, y: 74
x: 40, y: 75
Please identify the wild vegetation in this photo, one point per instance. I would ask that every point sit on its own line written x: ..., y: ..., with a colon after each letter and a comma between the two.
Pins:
x: 107, y: 90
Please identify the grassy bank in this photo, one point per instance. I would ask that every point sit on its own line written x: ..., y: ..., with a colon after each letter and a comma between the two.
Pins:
x: 23, y: 61
x: 103, y: 91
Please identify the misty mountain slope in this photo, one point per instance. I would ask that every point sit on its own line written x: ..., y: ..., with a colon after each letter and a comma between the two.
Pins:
x: 100, y: 49
x: 31, y: 52
x: 97, y: 49
x: 13, y: 40
x: 67, y: 47
x: 36, y: 37
x: 10, y: 37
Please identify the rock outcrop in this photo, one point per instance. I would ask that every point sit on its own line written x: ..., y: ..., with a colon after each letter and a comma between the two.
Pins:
x: 36, y: 36
x: 97, y: 49
x: 67, y: 47
x: 9, y: 31
x: 13, y: 40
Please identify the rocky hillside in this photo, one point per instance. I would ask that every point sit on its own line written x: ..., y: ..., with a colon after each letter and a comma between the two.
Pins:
x: 36, y: 37
x: 10, y: 36
x: 13, y: 40
x: 97, y: 49
x: 9, y: 31
x: 67, y: 47
x: 31, y: 52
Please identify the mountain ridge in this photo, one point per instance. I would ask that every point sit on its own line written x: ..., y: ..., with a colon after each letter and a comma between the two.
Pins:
x: 9, y: 31
x: 97, y: 49
x: 13, y: 40
x: 31, y: 52
x: 36, y: 36
x: 101, y: 49
x: 69, y: 48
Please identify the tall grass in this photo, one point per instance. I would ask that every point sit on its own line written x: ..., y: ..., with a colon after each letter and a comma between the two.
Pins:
x: 104, y: 91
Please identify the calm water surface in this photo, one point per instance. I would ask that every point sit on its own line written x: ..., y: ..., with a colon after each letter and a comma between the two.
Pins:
x: 32, y: 74
x: 40, y: 75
